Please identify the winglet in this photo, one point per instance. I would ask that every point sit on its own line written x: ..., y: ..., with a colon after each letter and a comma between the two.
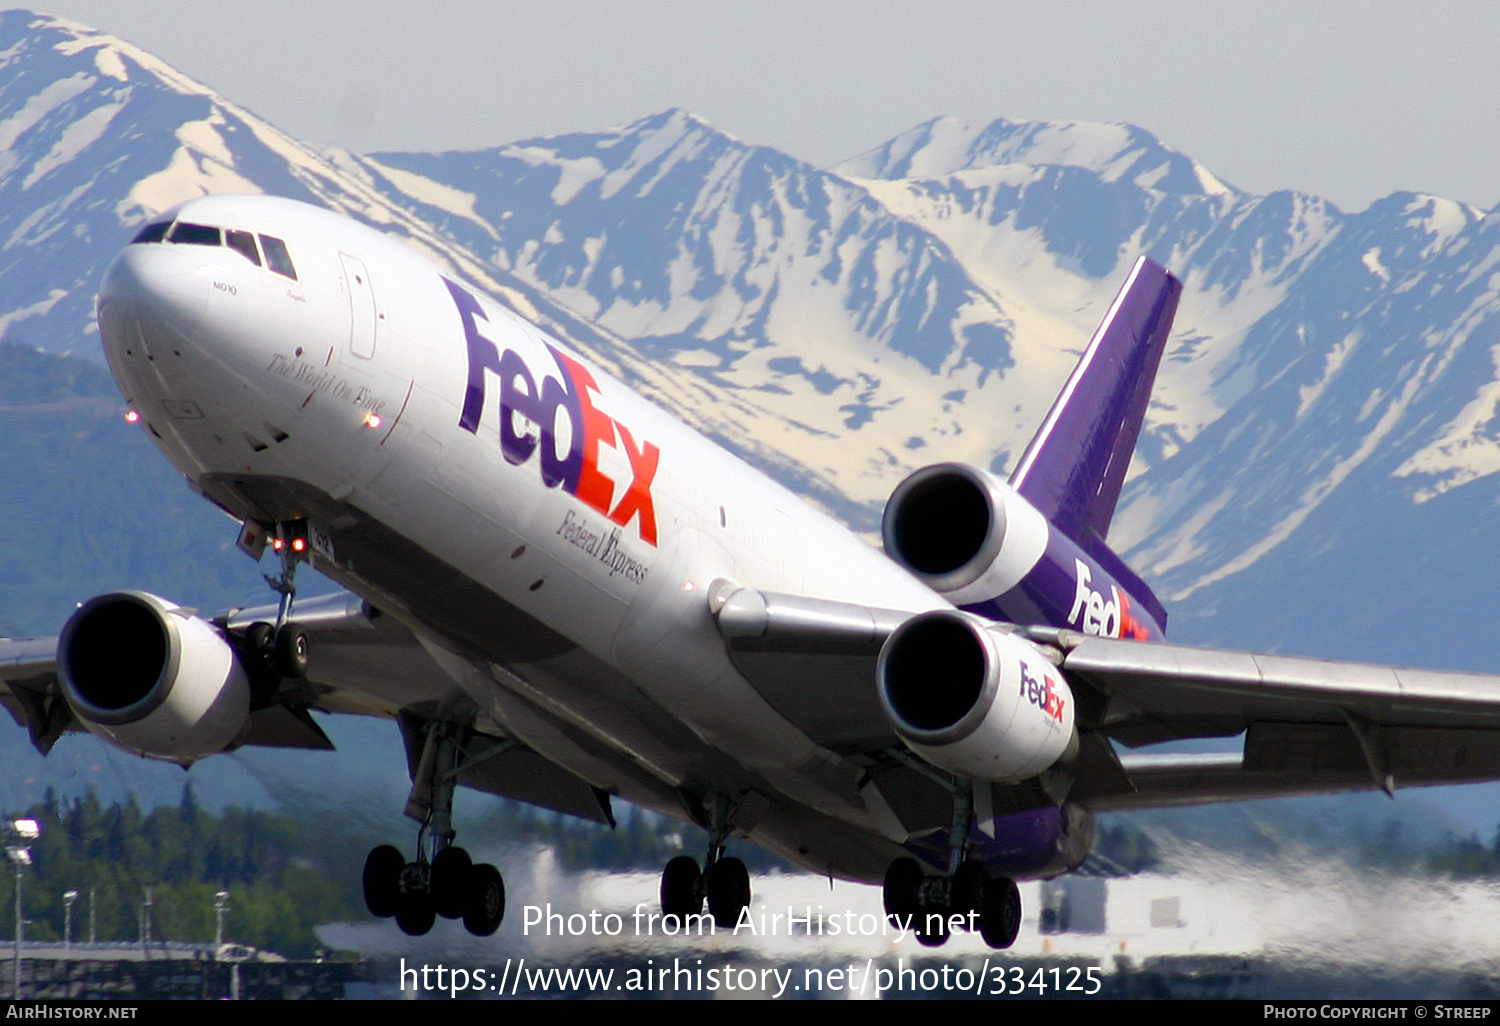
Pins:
x: 1073, y: 469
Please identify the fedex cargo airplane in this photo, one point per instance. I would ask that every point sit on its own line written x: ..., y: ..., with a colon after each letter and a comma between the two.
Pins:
x: 565, y: 597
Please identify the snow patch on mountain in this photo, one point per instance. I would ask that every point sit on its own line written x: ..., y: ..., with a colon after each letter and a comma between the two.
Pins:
x: 36, y: 309
x: 33, y: 111
x: 200, y: 166
x: 1308, y: 394
x: 1371, y: 259
x: 76, y: 138
x: 1315, y: 493
x: 1467, y: 449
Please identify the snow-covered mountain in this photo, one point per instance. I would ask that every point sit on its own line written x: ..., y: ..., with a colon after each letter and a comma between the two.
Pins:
x: 1329, y: 384
x: 1329, y: 395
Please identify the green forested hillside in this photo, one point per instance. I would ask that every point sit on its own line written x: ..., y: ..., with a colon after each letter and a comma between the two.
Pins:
x: 88, y: 505
x: 278, y: 871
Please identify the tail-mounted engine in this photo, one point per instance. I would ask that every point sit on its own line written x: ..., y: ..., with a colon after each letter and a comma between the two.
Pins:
x: 974, y: 700
x: 974, y: 540
x: 151, y: 678
x: 963, y: 531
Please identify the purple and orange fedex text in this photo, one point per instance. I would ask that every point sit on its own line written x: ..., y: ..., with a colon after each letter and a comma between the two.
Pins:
x: 539, y: 399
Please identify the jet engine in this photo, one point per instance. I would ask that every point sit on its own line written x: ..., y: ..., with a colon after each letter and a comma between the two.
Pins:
x: 151, y: 678
x: 975, y: 700
x: 963, y: 531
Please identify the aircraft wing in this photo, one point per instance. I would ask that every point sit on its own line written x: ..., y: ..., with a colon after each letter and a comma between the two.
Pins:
x: 363, y: 663
x: 813, y: 661
x: 1310, y: 725
x: 28, y: 687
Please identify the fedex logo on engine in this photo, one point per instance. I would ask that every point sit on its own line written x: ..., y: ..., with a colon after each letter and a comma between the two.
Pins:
x: 1092, y: 613
x: 1044, y: 693
x: 540, y: 400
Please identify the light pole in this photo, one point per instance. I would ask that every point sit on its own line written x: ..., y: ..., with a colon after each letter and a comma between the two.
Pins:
x: 221, y: 905
x: 68, y: 898
x: 146, y: 925
x: 22, y: 832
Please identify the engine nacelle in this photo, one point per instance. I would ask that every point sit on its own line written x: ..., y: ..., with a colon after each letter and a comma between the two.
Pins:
x: 149, y: 677
x: 963, y: 531
x: 973, y: 539
x: 974, y: 700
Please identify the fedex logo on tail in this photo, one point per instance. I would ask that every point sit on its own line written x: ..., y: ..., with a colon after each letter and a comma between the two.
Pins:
x: 539, y: 400
x: 1093, y: 613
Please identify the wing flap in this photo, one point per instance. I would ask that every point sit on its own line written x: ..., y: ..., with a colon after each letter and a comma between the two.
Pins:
x: 1282, y: 759
x: 28, y: 689
x: 522, y: 775
x: 286, y: 726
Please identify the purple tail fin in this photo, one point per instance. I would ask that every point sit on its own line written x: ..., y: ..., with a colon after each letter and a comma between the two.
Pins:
x: 1073, y: 469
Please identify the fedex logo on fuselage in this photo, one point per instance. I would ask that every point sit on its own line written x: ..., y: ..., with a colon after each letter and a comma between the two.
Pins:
x: 541, y: 399
x: 1092, y: 613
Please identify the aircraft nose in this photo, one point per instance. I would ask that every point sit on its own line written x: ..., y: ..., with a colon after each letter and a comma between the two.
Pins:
x: 155, y: 283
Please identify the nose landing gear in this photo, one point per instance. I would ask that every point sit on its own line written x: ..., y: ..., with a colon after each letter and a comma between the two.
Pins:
x: 281, y: 649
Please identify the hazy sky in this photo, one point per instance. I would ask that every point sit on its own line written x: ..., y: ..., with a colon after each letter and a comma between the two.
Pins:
x: 1347, y: 100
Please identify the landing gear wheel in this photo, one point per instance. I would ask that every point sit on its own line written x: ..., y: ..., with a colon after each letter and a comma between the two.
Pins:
x: 902, y: 880
x: 382, y: 879
x: 450, y: 881
x: 291, y: 651
x: 1000, y: 917
x: 969, y: 889
x: 728, y: 886
x: 680, y: 893
x: 260, y: 646
x: 485, y: 905
x: 414, y: 912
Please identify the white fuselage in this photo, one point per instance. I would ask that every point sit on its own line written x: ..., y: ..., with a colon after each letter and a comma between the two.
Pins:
x: 575, y: 614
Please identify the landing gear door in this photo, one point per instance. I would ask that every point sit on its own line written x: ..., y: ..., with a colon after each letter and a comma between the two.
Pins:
x: 363, y: 317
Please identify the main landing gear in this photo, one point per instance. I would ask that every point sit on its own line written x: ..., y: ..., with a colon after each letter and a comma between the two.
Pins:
x: 725, y: 883
x: 448, y: 883
x: 966, y: 897
x: 969, y: 898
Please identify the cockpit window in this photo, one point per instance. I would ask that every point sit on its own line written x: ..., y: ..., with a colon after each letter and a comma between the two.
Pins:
x: 153, y: 232
x: 277, y: 257
x: 242, y: 243
x: 194, y: 234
